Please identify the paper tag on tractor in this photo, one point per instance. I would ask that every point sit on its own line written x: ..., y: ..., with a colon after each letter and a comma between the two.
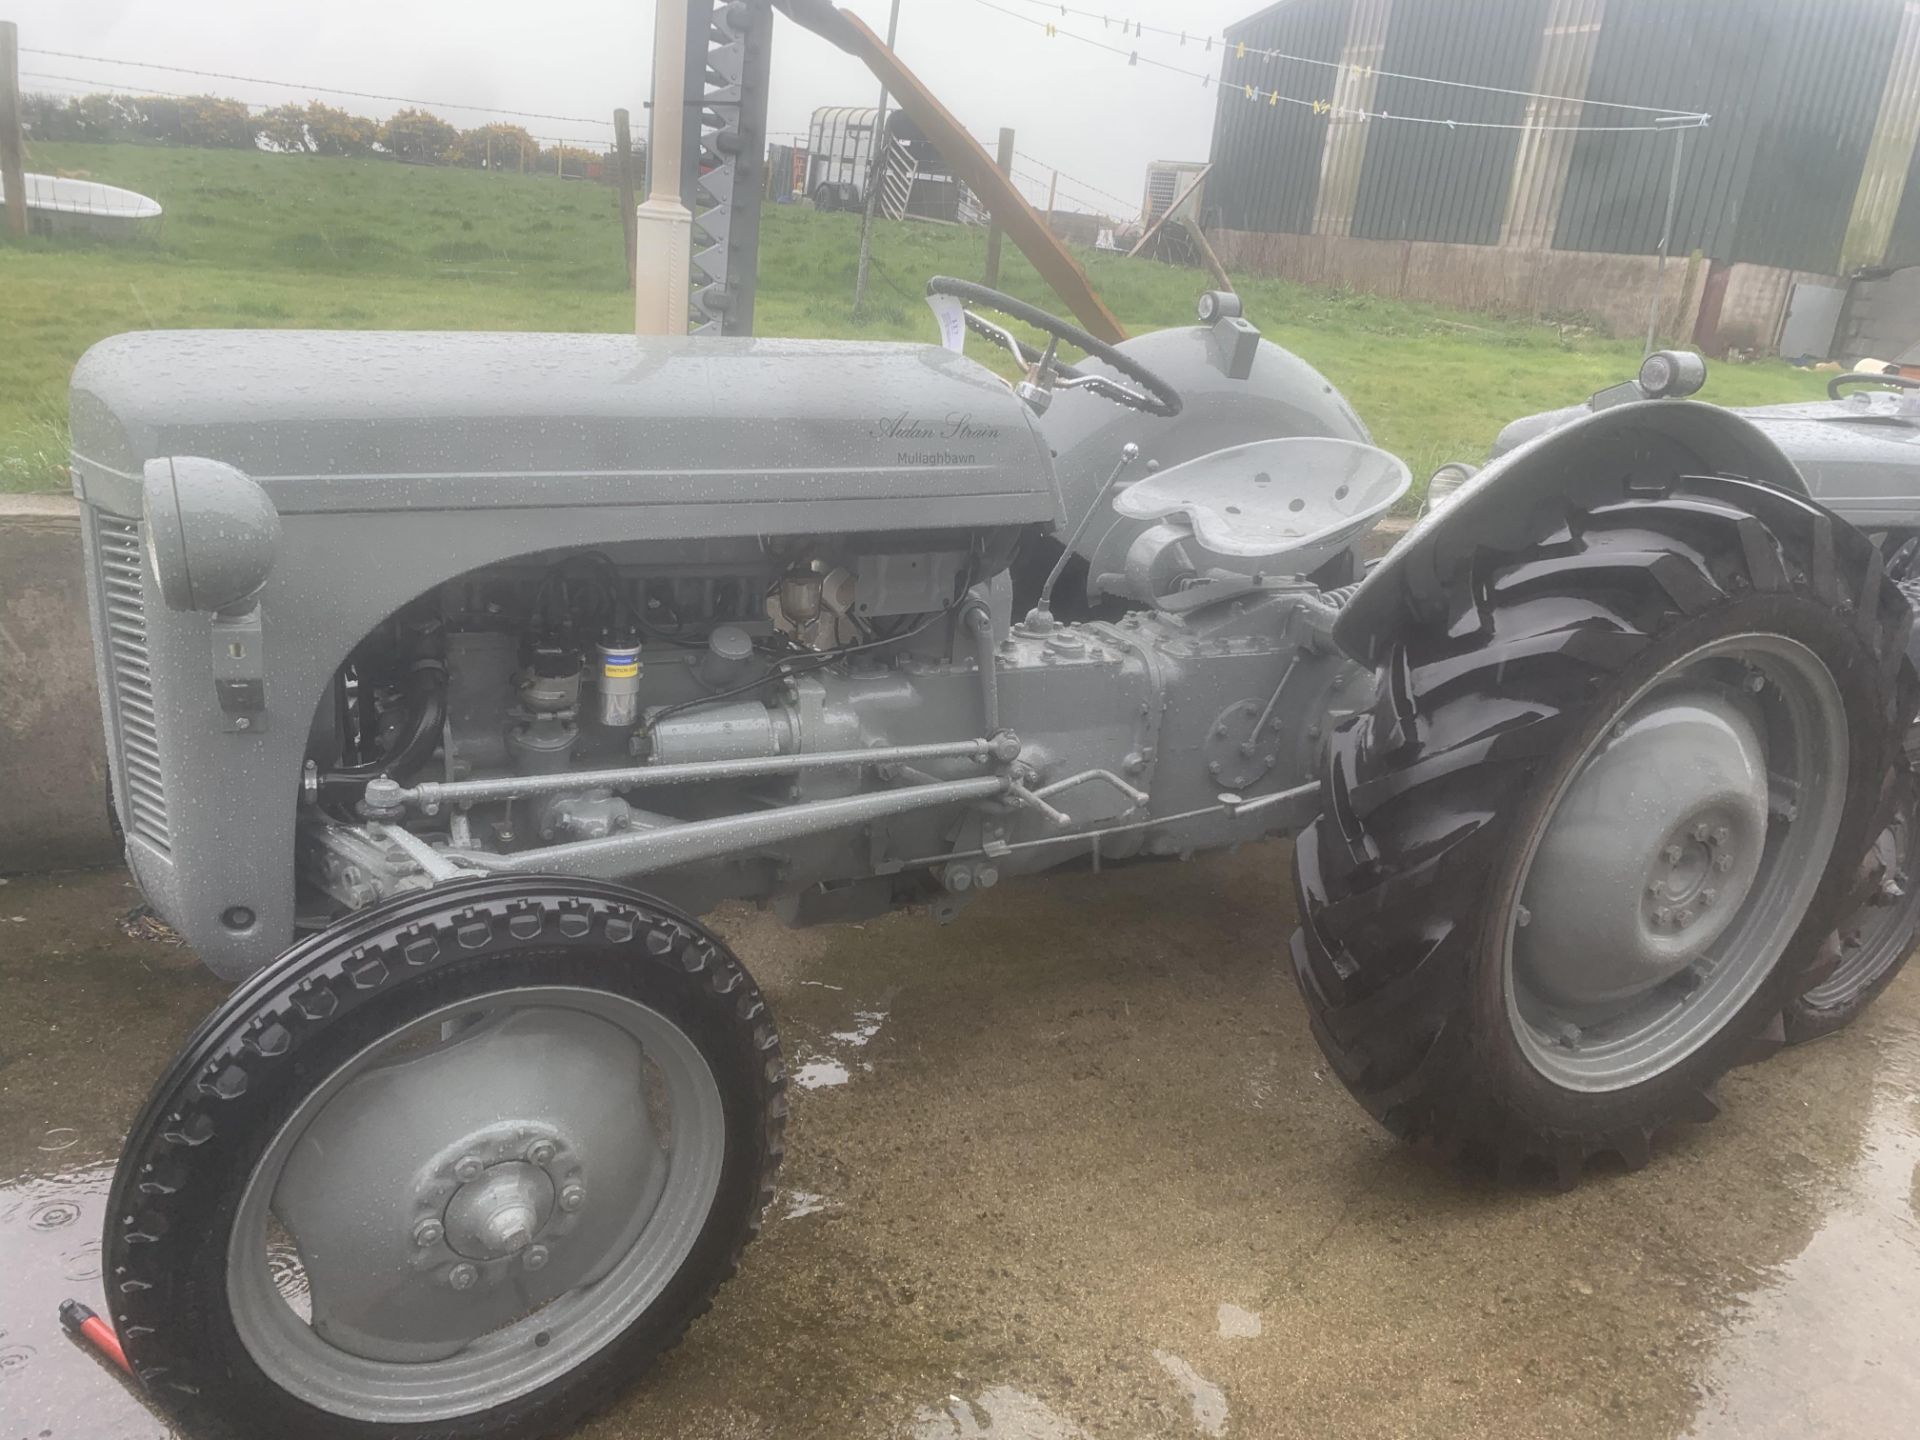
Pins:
x: 952, y: 315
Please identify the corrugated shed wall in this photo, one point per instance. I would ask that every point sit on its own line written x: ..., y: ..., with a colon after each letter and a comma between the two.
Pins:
x: 1883, y: 178
x: 1796, y: 89
x: 1816, y: 100
x: 1266, y: 158
x: 1903, y: 246
x: 1562, y: 60
x: 1700, y: 55
x: 1430, y: 182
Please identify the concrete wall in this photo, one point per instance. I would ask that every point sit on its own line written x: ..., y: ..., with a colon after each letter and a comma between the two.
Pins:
x: 53, y: 761
x: 1752, y: 308
x: 1882, y: 318
x: 1614, y: 289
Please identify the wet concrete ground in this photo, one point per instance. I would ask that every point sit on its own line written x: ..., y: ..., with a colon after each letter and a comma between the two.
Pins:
x: 1072, y: 1167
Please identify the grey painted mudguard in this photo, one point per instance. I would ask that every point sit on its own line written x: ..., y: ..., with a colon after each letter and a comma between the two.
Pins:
x: 1527, y: 491
x: 399, y: 461
x: 1859, y: 455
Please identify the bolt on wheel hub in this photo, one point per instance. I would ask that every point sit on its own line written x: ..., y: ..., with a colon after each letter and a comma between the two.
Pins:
x: 1649, y: 855
x: 498, y: 1213
x: 1676, y: 861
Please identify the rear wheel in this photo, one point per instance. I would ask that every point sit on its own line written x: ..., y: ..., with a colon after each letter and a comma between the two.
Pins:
x: 1579, y: 856
x: 1870, y: 945
x: 463, y: 1164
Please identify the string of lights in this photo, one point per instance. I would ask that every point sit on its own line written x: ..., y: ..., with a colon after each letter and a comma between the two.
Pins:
x: 315, y: 89
x: 1240, y: 50
x: 1326, y: 105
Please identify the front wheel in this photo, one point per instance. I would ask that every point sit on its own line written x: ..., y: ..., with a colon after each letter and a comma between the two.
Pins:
x: 463, y: 1164
x: 1580, y: 855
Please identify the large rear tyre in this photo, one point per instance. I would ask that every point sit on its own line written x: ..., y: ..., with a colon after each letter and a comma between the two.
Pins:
x: 1878, y: 925
x: 464, y: 1164
x: 1580, y: 854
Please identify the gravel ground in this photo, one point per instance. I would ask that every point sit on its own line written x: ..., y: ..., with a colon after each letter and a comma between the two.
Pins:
x: 1071, y: 1166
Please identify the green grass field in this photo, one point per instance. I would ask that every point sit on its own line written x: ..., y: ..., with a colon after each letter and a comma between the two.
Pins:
x: 299, y: 241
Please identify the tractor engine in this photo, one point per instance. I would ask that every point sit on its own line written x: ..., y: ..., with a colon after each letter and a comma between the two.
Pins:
x: 593, y: 709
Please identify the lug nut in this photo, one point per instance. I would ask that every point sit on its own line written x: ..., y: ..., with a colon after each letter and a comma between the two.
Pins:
x: 428, y: 1232
x: 1707, y: 897
x: 1723, y: 861
x: 1662, y: 915
x: 535, y: 1257
x: 1523, y: 917
x: 1702, y: 831
x: 541, y: 1152
x: 1721, y: 835
x: 1673, y: 854
x: 468, y: 1167
x: 572, y: 1198
x: 461, y: 1277
x: 1684, y: 919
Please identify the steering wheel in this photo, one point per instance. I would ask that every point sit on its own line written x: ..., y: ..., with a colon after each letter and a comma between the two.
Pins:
x: 1045, y: 373
x: 1869, y: 377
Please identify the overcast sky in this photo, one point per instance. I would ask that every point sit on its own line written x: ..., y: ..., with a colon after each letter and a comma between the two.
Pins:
x: 1087, y: 113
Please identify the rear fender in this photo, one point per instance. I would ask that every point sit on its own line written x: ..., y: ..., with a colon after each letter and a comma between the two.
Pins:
x: 1527, y: 492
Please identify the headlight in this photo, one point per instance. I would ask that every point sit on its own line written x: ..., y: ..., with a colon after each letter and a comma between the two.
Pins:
x: 212, y: 533
x: 1671, y: 374
x: 1445, y: 482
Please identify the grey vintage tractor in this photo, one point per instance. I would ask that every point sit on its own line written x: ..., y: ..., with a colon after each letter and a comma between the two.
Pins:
x: 449, y: 677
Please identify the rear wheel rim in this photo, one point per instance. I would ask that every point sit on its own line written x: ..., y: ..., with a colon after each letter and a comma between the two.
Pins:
x: 452, y: 1233
x: 1675, y: 862
x: 1885, y: 924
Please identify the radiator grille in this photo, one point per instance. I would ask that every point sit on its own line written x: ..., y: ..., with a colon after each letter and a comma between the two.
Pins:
x: 123, y: 610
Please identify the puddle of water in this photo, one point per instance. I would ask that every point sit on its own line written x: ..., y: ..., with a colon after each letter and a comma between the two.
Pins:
x: 1238, y: 1324
x: 866, y: 1025
x: 51, y: 1388
x: 999, y: 1412
x: 819, y: 1074
x: 805, y: 1202
x: 1826, y: 1349
x: 1208, y: 1400
x: 828, y: 1070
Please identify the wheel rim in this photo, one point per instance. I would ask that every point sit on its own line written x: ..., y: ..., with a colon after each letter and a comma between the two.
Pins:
x: 1675, y: 862
x: 1878, y: 933
x: 478, y: 1202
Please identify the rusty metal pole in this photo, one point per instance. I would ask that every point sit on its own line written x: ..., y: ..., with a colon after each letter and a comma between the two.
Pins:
x: 878, y: 151
x: 623, y: 142
x: 13, y: 164
x: 1666, y: 241
x: 1004, y: 161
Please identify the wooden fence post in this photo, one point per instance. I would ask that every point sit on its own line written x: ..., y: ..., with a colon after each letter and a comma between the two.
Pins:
x: 629, y: 222
x: 13, y: 165
x: 1053, y: 187
x: 1004, y: 161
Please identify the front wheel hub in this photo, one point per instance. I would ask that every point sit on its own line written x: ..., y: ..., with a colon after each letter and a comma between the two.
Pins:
x: 498, y: 1214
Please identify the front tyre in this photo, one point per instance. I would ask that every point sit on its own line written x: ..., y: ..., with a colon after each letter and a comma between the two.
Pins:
x: 463, y: 1164
x: 1580, y: 854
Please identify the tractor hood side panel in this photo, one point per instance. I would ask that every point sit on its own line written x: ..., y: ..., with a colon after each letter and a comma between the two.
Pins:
x: 400, y: 461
